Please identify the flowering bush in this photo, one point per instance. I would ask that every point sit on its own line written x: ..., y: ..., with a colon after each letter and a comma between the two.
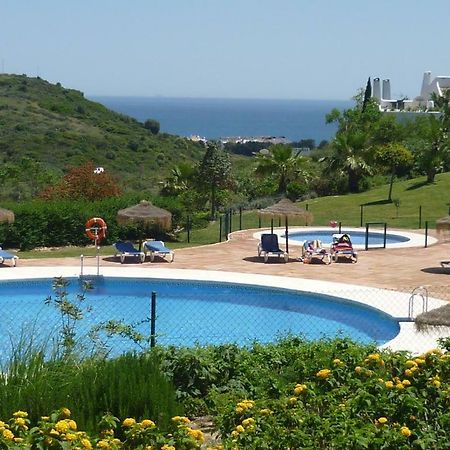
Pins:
x: 386, y: 401
x: 59, y: 431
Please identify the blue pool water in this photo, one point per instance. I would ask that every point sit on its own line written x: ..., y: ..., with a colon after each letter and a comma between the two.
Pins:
x: 190, y: 312
x: 358, y: 237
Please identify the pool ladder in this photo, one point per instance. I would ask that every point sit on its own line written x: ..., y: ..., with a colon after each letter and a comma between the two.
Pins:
x: 420, y: 293
x: 82, y: 257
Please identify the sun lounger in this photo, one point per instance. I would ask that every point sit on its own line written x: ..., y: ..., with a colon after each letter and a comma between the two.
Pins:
x: 4, y: 255
x: 314, y: 250
x: 125, y: 249
x: 269, y: 246
x: 158, y: 248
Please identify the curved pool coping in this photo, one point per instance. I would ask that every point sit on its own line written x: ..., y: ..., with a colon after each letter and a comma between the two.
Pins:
x: 393, y: 303
x: 415, y: 239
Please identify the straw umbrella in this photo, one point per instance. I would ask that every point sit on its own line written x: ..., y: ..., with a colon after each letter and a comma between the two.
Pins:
x: 443, y: 224
x: 6, y: 215
x: 144, y: 214
x: 286, y: 208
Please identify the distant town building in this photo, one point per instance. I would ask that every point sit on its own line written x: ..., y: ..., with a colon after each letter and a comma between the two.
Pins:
x: 422, y: 103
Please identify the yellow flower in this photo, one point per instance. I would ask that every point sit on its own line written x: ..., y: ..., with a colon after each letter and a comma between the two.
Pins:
x: 18, y: 440
x: 299, y: 389
x: 102, y: 443
x: 61, y: 426
x: 20, y: 421
x: 129, y: 422
x: 436, y: 383
x: 419, y: 361
x: 410, y: 363
x: 116, y: 441
x: 248, y: 422
x: 406, y: 383
x: 65, y: 412
x: 266, y: 412
x: 70, y: 437
x: 147, y: 423
x: 338, y: 362
x: 8, y: 434
x: 168, y: 447
x: 358, y: 369
x: 405, y: 431
x: 292, y: 400
x: 382, y: 420
x: 180, y: 419
x: 54, y: 433
x: 240, y: 429
x: 20, y: 414
x: 399, y: 386
x: 86, y: 443
x: 408, y: 373
x: 45, y: 418
x: 323, y: 373
x: 72, y: 424
x: 374, y: 357
x: 197, y: 435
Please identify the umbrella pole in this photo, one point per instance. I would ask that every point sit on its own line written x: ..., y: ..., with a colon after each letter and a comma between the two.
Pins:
x: 271, y: 226
x: 286, y: 234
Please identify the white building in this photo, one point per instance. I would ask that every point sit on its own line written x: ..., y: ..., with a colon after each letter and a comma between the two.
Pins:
x: 422, y: 102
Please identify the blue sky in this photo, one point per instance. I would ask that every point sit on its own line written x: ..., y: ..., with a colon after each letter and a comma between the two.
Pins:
x: 294, y: 49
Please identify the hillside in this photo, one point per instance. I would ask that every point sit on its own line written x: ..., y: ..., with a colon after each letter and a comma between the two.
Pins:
x: 59, y: 128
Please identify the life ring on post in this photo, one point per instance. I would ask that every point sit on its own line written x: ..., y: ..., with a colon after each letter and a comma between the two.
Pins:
x: 96, y: 229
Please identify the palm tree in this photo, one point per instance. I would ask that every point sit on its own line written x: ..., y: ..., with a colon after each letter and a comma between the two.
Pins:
x: 281, y: 162
x: 351, y: 156
x: 180, y: 179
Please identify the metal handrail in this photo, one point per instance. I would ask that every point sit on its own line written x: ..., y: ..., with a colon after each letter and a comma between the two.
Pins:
x: 422, y: 292
x: 88, y: 256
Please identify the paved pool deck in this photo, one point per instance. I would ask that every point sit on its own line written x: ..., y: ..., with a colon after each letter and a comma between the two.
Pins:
x: 398, y: 268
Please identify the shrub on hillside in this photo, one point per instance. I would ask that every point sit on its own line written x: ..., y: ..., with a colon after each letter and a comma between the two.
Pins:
x: 84, y: 182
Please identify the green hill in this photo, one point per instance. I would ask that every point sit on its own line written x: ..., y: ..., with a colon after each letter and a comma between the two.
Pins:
x: 59, y: 128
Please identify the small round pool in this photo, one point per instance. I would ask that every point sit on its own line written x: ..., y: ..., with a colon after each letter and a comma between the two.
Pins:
x: 191, y: 312
x: 376, y: 238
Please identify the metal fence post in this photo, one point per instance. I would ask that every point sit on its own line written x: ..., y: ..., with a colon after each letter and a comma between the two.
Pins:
x: 426, y: 233
x: 361, y: 215
x: 188, y: 226
x: 367, y: 236
x: 153, y: 321
x: 340, y: 227
x: 220, y: 228
x: 240, y: 218
x: 231, y: 222
x: 420, y: 217
x: 385, y: 237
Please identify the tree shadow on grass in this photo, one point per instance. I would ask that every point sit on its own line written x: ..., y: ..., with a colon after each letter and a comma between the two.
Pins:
x: 378, y: 202
x: 417, y: 185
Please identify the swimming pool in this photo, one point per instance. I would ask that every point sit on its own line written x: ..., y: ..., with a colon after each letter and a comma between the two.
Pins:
x: 358, y: 237
x: 394, y: 239
x: 190, y: 312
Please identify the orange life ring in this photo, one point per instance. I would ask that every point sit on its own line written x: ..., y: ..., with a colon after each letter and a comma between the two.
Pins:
x: 333, y: 224
x: 96, y: 229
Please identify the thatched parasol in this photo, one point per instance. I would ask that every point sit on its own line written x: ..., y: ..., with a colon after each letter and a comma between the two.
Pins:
x: 144, y: 214
x: 443, y: 224
x: 439, y: 317
x: 6, y: 215
x: 286, y: 208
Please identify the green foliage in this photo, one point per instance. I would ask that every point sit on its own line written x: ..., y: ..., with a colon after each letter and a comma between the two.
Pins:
x: 282, y: 164
x: 152, y: 125
x: 58, y: 128
x: 215, y: 173
x: 127, y: 386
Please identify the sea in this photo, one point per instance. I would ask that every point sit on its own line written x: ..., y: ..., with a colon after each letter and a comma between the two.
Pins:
x: 214, y: 118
